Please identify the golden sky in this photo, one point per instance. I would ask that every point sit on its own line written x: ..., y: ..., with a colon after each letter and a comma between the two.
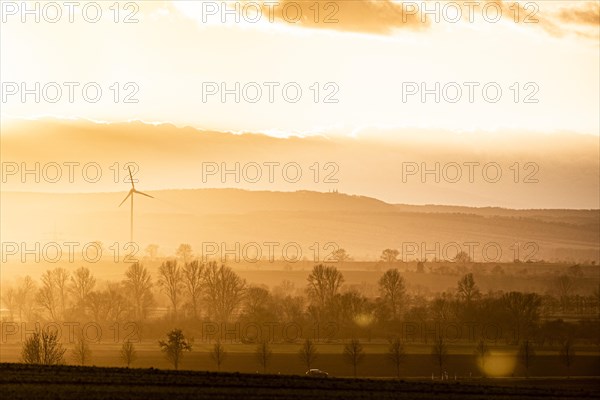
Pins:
x: 367, y: 51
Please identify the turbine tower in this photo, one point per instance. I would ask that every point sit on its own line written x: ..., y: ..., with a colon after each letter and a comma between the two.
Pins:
x: 130, y: 194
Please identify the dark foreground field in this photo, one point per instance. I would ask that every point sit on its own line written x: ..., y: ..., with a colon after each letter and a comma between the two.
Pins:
x: 19, y: 381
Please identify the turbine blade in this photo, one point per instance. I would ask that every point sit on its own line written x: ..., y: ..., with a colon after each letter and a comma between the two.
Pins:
x: 144, y: 194
x: 131, y: 177
x: 126, y: 197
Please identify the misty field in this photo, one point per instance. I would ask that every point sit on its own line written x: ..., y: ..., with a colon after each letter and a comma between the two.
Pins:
x: 19, y: 381
x: 502, y: 361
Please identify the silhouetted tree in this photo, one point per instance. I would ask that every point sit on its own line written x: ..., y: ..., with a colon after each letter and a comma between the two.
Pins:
x: 170, y: 280
x: 192, y: 280
x: 257, y: 305
x: 152, y: 251
x: 567, y: 355
x: 128, y: 354
x: 308, y: 353
x: 462, y: 258
x: 81, y: 353
x: 354, y: 353
x: 392, y: 289
x: 389, y: 256
x: 524, y: 309
x: 223, y: 290
x: 439, y: 354
x: 526, y: 355
x: 53, y: 294
x: 324, y: 283
x: 218, y: 354
x: 564, y: 286
x: 396, y: 354
x: 467, y: 289
x: 47, y: 296
x: 9, y: 298
x: 43, y: 347
x: 263, y: 354
x: 184, y: 251
x: 25, y: 298
x: 341, y: 256
x: 138, y: 284
x: 61, y: 279
x: 82, y: 283
x: 174, y: 346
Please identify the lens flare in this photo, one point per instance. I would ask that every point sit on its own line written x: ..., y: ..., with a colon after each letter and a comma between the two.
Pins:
x: 497, y: 364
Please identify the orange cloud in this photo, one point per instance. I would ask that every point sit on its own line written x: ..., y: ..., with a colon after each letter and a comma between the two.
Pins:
x: 588, y: 14
x: 555, y: 23
x: 366, y: 16
x: 382, y: 17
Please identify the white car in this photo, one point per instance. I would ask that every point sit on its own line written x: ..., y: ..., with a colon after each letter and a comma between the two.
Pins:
x: 317, y: 373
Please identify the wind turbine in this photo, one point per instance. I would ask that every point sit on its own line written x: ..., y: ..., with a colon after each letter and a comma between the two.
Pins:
x: 130, y: 194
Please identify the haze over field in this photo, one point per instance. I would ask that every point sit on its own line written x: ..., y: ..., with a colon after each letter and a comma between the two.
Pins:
x: 361, y: 225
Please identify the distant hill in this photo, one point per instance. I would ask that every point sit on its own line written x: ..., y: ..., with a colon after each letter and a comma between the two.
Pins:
x: 363, y: 226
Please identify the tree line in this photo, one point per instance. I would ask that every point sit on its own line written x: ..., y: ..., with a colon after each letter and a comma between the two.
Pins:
x: 197, y: 292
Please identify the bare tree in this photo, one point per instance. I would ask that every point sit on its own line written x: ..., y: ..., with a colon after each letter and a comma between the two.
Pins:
x: 439, y: 354
x: 524, y: 309
x: 467, y: 289
x: 353, y: 307
x: 354, y: 353
x: 43, y: 347
x: 564, y: 286
x: 184, y: 251
x: 52, y: 295
x: 25, y: 297
x: 128, y: 353
x: 341, y: 256
x: 152, y: 251
x: 389, y: 256
x: 170, y: 280
x: 115, y: 302
x: 82, y: 283
x: 392, y: 289
x: 256, y: 301
x: 47, y: 296
x: 396, y: 354
x: 263, y: 354
x: 138, y: 285
x: 462, y: 257
x: 223, y: 290
x: 192, y: 280
x: 9, y: 298
x: 567, y: 355
x: 97, y: 306
x: 174, y: 346
x: 481, y: 352
x: 81, y: 353
x: 324, y: 283
x: 526, y: 355
x: 61, y: 279
x: 218, y: 354
x: 308, y: 353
